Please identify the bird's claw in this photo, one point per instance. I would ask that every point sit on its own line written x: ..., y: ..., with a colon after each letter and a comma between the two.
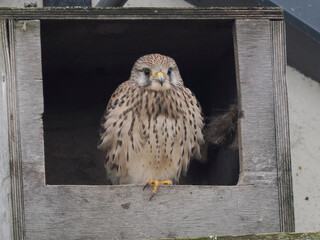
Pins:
x: 148, y: 184
x: 156, y: 184
x: 151, y: 196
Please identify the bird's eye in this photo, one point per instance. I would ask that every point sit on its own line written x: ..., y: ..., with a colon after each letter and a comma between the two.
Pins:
x: 147, y: 71
x: 169, y: 71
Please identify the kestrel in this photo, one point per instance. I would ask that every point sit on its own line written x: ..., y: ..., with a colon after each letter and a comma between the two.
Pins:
x: 152, y: 126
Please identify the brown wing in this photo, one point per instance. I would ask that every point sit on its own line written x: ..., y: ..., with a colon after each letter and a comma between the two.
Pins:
x: 192, y: 124
x: 116, y: 124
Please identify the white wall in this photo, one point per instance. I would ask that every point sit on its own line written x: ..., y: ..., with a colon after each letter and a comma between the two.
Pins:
x: 304, y: 112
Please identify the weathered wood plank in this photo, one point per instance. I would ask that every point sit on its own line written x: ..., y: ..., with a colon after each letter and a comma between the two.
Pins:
x: 282, y: 127
x: 142, y: 13
x: 5, y: 179
x: 29, y: 76
x: 14, y: 140
x: 29, y: 90
x: 255, y: 95
x: 125, y: 212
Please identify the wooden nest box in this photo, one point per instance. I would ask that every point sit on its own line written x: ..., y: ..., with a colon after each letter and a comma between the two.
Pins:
x: 59, y: 67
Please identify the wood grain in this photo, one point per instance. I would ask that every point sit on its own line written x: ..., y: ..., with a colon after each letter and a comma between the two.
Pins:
x: 282, y: 127
x: 142, y: 13
x: 255, y: 95
x: 5, y: 179
x: 30, y: 105
x: 125, y: 212
x: 14, y: 140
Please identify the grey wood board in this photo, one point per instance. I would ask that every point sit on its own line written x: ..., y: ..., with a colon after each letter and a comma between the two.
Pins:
x: 29, y: 93
x: 125, y: 212
x: 282, y: 127
x: 142, y: 13
x: 14, y: 140
x: 30, y: 89
x: 5, y: 179
x: 255, y: 96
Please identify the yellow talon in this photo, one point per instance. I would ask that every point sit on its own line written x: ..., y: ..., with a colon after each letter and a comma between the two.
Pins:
x: 156, y: 184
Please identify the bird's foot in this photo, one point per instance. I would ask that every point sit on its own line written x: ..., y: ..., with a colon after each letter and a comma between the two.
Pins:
x: 156, y: 184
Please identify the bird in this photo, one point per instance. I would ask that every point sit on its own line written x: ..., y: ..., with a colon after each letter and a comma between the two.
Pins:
x: 152, y: 125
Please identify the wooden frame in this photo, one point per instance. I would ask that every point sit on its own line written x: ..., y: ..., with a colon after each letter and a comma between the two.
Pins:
x: 261, y: 202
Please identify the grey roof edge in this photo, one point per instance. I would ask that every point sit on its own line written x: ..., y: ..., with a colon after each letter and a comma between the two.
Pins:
x: 303, y: 43
x: 294, y: 20
x: 303, y: 40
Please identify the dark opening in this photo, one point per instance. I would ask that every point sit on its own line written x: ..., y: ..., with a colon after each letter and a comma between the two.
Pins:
x: 83, y: 63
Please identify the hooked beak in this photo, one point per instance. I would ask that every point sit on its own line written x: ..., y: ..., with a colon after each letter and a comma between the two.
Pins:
x: 159, y: 76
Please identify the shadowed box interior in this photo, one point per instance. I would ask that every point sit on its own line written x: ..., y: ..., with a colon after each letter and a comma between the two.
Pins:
x: 83, y: 62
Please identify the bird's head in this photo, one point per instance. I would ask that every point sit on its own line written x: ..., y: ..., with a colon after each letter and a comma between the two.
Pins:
x: 156, y: 72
